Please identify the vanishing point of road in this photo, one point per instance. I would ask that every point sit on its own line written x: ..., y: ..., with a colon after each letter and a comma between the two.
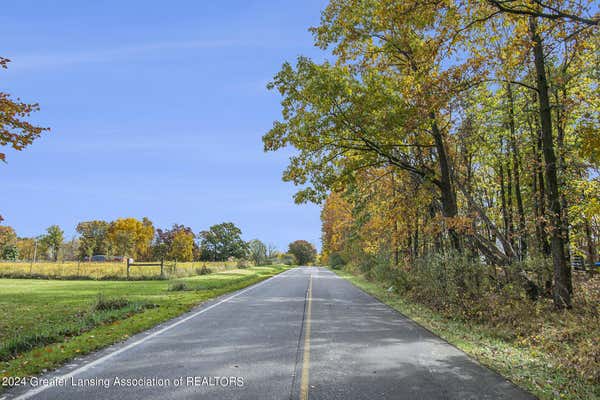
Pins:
x: 303, y: 334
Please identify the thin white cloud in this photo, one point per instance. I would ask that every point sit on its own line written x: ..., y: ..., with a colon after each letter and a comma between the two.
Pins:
x: 50, y: 60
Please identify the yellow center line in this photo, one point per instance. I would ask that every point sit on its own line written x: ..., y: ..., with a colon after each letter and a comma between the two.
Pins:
x: 306, y: 356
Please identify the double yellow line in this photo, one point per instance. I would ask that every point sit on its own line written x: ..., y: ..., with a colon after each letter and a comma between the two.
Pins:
x: 306, y: 356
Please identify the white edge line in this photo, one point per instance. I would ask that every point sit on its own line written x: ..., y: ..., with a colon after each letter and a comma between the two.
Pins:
x: 85, y: 367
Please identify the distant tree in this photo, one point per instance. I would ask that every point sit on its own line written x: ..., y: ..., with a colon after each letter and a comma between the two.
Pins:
x: 143, y: 245
x: 182, y: 246
x: 221, y: 242
x: 131, y: 237
x: 53, y: 240
x: 10, y: 253
x: 287, y: 259
x: 303, y: 251
x: 93, y: 238
x: 71, y: 250
x: 271, y: 250
x: 8, y: 236
x: 257, y: 251
x: 26, y: 247
x: 164, y: 241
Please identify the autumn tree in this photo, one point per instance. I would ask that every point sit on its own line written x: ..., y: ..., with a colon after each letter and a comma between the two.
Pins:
x: 8, y: 244
x: 94, y: 238
x: 15, y: 131
x: 164, y: 243
x: 131, y: 237
x: 53, y: 240
x: 8, y: 236
x: 182, y: 246
x: 26, y: 247
x: 484, y: 112
x: 538, y: 28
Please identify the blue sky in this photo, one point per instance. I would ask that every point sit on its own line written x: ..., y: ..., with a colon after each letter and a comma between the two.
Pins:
x: 157, y: 109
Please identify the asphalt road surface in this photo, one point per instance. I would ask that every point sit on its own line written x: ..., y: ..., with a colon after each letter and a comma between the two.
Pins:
x: 304, y: 334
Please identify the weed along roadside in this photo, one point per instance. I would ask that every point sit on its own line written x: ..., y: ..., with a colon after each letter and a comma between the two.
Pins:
x: 49, y: 322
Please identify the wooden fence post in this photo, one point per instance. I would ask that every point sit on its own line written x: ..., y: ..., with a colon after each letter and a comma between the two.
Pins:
x: 162, y: 267
x: 127, y: 268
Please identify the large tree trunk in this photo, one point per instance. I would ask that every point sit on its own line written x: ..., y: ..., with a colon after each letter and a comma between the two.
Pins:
x: 562, y: 271
x: 416, y: 239
x: 562, y: 172
x: 509, y: 204
x: 537, y: 187
x: 437, y: 236
x: 516, y: 170
x: 591, y: 252
x: 542, y: 195
x: 448, y: 196
x: 503, y: 198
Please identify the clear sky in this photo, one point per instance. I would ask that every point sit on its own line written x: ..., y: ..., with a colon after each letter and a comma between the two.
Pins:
x: 157, y: 109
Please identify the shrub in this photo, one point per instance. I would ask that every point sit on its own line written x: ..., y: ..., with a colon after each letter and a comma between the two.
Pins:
x: 538, y: 267
x: 288, y: 259
x: 203, y: 271
x: 272, y: 261
x: 178, y: 287
x: 243, y: 264
x: 10, y: 253
x: 449, y: 278
x: 109, y: 303
x: 336, y: 261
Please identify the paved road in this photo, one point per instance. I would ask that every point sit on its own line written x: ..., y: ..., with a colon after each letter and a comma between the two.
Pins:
x: 303, y: 334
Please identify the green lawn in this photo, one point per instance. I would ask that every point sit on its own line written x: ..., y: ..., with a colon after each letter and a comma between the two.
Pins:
x: 47, y: 322
x: 546, y: 375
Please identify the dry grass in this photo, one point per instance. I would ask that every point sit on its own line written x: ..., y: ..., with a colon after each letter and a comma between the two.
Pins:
x: 99, y: 270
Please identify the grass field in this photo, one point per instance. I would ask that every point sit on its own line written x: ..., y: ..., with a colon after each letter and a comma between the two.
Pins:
x: 99, y: 270
x: 47, y: 322
x: 547, y: 364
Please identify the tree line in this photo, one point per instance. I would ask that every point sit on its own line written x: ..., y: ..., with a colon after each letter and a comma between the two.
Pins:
x: 139, y: 239
x: 451, y: 128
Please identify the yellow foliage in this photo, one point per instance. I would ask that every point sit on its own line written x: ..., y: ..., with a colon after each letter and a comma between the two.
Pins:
x: 182, y: 248
x: 131, y: 237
